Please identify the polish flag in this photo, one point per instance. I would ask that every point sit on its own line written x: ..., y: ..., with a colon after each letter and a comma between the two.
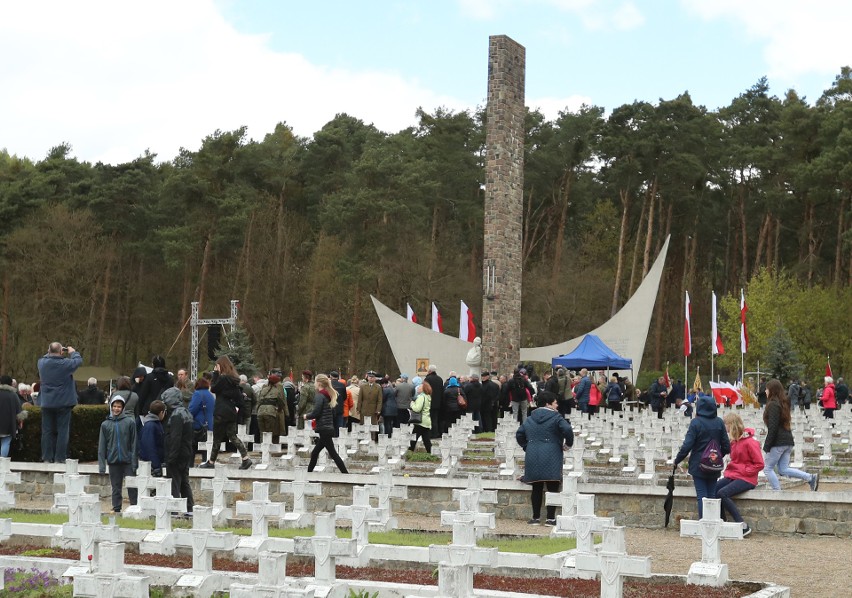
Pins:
x: 467, y: 329
x: 409, y: 314
x: 437, y: 323
x: 743, y: 331
x: 828, y: 368
x: 726, y: 393
x: 718, y: 348
x: 687, y: 329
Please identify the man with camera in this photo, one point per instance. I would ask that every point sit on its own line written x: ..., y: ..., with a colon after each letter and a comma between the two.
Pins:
x: 57, y: 397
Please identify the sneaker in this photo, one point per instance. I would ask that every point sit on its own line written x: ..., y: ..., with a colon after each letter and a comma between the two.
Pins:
x: 206, y: 465
x: 550, y: 522
x: 245, y: 464
x: 534, y: 521
x: 814, y: 483
x: 746, y: 531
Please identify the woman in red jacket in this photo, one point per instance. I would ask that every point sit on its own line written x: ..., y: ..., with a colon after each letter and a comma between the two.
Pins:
x: 741, y: 474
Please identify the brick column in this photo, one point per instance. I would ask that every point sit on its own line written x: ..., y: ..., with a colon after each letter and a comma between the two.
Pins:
x: 504, y: 185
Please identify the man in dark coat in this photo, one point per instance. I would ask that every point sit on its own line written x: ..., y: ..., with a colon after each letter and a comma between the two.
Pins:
x: 437, y: 384
x: 841, y: 392
x: 490, y: 402
x: 154, y: 384
x: 91, y: 395
x: 658, y: 394
x: 340, y: 387
x: 473, y: 394
x: 10, y: 407
x: 179, y: 454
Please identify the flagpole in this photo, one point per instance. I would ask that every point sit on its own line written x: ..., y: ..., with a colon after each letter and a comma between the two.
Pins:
x: 711, y: 363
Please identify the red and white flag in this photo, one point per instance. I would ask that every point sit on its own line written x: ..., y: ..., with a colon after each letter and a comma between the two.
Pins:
x: 467, y: 329
x: 743, y: 331
x: 666, y: 380
x: 409, y: 314
x: 828, y: 367
x: 718, y: 348
x: 726, y: 393
x: 437, y: 323
x: 687, y: 329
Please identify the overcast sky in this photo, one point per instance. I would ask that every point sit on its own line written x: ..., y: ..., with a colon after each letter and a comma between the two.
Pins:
x: 114, y: 79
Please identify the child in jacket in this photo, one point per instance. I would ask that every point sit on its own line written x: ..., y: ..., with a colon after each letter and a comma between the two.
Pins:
x: 117, y: 450
x: 741, y: 473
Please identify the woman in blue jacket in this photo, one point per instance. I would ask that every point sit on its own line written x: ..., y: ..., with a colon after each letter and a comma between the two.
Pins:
x: 706, y: 427
x: 201, y: 407
x: 543, y: 436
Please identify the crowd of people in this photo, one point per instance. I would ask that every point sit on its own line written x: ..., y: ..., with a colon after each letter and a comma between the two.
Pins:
x: 162, y: 419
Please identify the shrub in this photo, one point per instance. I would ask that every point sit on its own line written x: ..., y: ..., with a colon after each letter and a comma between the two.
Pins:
x: 83, y: 439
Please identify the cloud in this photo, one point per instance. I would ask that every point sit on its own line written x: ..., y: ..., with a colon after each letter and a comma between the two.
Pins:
x: 114, y: 79
x: 800, y: 38
x: 595, y: 15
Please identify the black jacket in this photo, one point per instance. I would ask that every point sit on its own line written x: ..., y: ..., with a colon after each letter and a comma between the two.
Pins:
x: 340, y: 387
x: 437, y: 385
x: 229, y: 398
x: 91, y: 395
x: 322, y: 412
x: 152, y: 387
x: 473, y: 394
x: 178, y: 431
x: 10, y: 407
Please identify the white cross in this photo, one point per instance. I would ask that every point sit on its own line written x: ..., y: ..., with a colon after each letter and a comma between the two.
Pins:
x: 219, y: 484
x: 162, y: 505
x: 613, y: 563
x: 144, y: 482
x: 384, y: 490
x: 480, y: 496
x: 324, y: 546
x: 90, y: 531
x: 299, y: 488
x: 267, y: 446
x: 7, y: 476
x: 272, y: 580
x: 203, y: 540
x: 72, y: 467
x: 712, y: 530
x: 111, y: 579
x: 566, y: 500
x: 361, y: 514
x: 584, y: 524
x: 74, y: 497
x: 259, y: 508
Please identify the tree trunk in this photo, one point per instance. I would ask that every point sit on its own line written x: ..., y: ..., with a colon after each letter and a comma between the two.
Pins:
x: 776, y: 260
x: 744, y: 233
x: 356, y: 328
x: 564, y: 197
x: 104, y: 301
x: 5, y: 342
x: 622, y: 240
x: 646, y: 259
x: 658, y: 325
x: 812, y: 242
x: 433, y: 251
x: 761, y: 241
x: 838, y: 252
x: 635, y: 261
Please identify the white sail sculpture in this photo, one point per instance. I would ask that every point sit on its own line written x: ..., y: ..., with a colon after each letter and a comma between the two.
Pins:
x: 625, y: 333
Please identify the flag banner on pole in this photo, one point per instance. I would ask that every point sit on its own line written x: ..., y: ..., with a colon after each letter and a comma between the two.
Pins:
x: 725, y: 393
x: 718, y: 348
x: 697, y: 386
x: 437, y: 323
x: 409, y: 314
x: 828, y: 367
x: 743, y: 330
x: 666, y: 380
x: 687, y: 329
x: 467, y: 329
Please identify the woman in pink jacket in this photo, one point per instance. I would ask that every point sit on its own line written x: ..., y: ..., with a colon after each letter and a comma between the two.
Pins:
x: 829, y: 402
x: 741, y: 473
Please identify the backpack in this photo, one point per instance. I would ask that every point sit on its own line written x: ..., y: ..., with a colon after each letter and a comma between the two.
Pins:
x: 711, y: 458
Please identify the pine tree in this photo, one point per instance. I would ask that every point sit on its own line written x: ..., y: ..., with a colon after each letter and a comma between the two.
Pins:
x: 237, y: 346
x: 782, y: 357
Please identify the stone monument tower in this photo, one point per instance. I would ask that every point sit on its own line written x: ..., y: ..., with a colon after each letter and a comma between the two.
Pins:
x: 504, y: 188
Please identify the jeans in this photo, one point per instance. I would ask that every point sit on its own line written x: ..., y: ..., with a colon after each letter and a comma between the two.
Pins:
x: 780, y: 456
x: 523, y: 407
x: 5, y: 445
x: 55, y: 428
x: 704, y: 488
x: 117, y: 473
x: 726, y: 489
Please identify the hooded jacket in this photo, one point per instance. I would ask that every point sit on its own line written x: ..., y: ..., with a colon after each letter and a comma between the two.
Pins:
x: 117, y: 441
x: 746, y: 459
x: 201, y: 407
x: 152, y: 443
x: 178, y: 431
x: 542, y: 436
x: 57, y: 387
x: 152, y: 387
x: 706, y: 426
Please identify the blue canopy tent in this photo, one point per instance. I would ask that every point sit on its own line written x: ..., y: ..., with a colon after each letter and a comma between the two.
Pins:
x: 592, y: 354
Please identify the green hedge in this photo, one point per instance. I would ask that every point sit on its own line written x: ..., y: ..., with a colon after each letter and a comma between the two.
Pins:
x: 83, y: 439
